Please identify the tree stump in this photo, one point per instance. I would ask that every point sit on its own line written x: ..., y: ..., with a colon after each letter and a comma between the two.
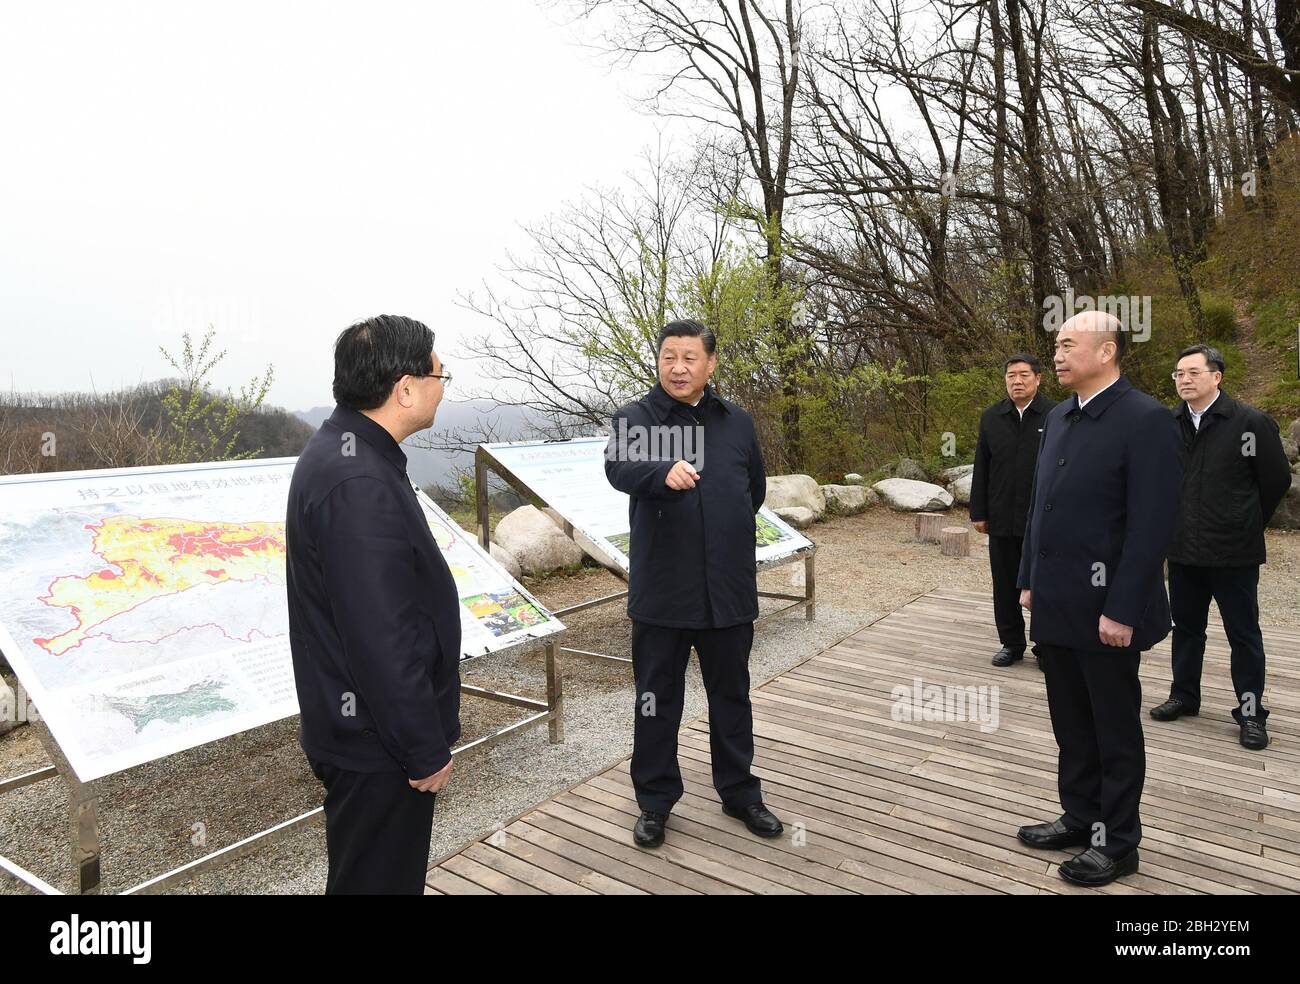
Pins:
x: 928, y: 526
x: 954, y: 541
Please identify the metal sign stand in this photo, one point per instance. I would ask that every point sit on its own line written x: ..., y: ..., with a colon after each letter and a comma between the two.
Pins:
x: 83, y: 800
x: 485, y: 461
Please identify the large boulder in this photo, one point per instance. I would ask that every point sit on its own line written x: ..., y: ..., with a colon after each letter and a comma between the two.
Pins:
x: 800, y: 517
x: 845, y: 500
x: 959, y: 489
x: 1293, y: 431
x: 911, y: 469
x: 906, y: 495
x: 506, y: 559
x: 1287, y: 515
x: 1292, y: 450
x: 535, y: 541
x: 957, y: 471
x: 582, y: 540
x: 8, y: 708
x: 795, y: 490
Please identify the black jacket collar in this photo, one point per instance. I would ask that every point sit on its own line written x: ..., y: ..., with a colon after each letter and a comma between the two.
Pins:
x: 1038, y: 404
x: 1099, y: 403
x: 663, y: 404
x: 1221, y: 407
x: 355, y: 422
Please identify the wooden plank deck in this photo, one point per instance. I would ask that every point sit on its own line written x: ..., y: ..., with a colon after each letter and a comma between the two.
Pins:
x: 875, y: 806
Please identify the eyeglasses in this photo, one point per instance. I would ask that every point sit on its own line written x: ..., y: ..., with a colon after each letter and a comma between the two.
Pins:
x: 1178, y: 374
x: 444, y: 376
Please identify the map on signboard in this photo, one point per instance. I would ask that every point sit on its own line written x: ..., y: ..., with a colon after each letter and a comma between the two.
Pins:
x: 495, y: 610
x: 144, y: 610
x: 569, y: 476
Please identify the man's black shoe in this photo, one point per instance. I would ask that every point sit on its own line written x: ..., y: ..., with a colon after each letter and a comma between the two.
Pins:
x: 1094, y: 869
x: 1052, y: 836
x: 1173, y: 709
x: 1254, y: 735
x: 1006, y: 656
x: 761, y: 821
x: 649, y: 829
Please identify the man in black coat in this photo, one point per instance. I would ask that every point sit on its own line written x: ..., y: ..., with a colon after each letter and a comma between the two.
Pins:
x: 999, y: 491
x: 691, y: 465
x: 374, y: 616
x: 1099, y: 525
x: 1236, y: 474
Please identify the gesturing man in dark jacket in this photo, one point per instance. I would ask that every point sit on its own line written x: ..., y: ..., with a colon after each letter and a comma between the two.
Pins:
x: 691, y: 465
x: 1236, y: 474
x: 374, y: 616
x: 999, y: 491
x: 1092, y: 573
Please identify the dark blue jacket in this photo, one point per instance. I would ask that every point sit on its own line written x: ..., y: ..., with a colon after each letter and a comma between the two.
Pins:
x: 691, y: 553
x: 373, y: 609
x: 1101, y: 518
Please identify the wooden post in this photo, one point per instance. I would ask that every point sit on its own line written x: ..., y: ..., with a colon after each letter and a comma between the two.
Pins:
x: 928, y: 526
x: 954, y: 541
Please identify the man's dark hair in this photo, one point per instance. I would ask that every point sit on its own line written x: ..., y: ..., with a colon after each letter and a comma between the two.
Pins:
x: 1121, y: 343
x: 1213, y: 357
x: 687, y: 329
x: 1027, y: 359
x: 372, y: 355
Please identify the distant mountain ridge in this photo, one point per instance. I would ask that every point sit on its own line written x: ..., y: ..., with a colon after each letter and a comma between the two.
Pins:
x: 427, y: 467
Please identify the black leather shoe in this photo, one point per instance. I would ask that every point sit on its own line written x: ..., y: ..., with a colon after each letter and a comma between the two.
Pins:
x: 649, y: 829
x: 1006, y: 656
x: 1173, y: 709
x: 1094, y: 869
x: 1254, y: 735
x: 761, y: 821
x: 1052, y: 836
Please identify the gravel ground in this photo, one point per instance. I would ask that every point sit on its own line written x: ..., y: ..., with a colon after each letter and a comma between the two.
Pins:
x: 867, y: 565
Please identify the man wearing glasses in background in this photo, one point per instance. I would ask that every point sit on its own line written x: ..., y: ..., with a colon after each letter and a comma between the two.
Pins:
x: 374, y: 616
x: 1236, y: 474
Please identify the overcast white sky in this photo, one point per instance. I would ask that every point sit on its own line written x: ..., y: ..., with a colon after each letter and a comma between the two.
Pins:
x: 279, y: 170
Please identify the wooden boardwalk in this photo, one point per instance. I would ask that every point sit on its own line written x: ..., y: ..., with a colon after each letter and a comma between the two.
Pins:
x: 878, y: 806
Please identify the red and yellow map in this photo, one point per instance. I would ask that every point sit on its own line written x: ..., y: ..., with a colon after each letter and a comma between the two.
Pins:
x: 148, y: 559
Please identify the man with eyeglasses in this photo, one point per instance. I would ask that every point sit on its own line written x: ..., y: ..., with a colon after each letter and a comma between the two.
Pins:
x: 1236, y: 474
x: 374, y: 615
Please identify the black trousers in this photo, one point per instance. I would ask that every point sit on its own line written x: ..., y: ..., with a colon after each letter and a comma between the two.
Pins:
x: 1004, y: 564
x: 377, y: 831
x: 1236, y: 590
x: 659, y: 657
x: 1095, y: 700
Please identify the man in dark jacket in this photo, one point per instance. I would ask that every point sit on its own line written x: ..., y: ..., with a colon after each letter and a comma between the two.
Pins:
x: 1099, y: 525
x: 691, y: 465
x: 999, y: 491
x: 374, y: 616
x: 1236, y: 474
